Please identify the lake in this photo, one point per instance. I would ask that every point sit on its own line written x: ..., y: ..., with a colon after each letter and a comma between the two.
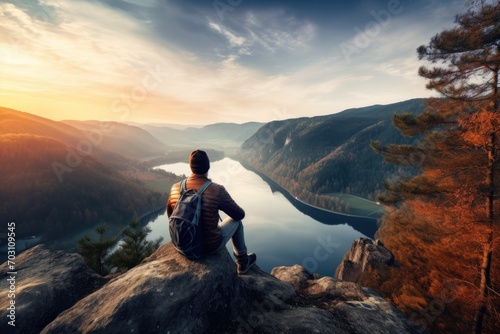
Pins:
x: 279, y: 229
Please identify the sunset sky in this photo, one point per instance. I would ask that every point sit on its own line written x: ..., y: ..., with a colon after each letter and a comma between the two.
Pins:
x: 205, y: 61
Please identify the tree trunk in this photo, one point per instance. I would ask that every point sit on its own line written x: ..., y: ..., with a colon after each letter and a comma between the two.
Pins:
x: 485, y: 284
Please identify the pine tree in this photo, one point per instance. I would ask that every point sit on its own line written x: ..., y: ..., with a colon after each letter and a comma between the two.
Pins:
x: 134, y: 247
x: 452, y: 204
x: 95, y: 252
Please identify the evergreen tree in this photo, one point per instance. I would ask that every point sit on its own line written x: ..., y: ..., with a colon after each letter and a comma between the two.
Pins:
x: 134, y: 247
x: 451, y: 206
x: 95, y: 252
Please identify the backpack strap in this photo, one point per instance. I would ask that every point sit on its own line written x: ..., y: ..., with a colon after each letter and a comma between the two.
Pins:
x: 183, y: 186
x: 202, y: 189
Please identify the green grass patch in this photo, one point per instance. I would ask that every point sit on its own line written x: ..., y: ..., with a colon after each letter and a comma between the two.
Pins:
x: 360, y: 206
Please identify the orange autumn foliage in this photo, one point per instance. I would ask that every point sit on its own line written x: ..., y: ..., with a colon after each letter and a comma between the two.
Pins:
x: 443, y: 224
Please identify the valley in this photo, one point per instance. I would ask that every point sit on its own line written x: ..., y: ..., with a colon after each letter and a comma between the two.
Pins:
x: 68, y: 176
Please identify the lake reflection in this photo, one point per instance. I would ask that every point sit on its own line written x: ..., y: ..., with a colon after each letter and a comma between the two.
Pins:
x: 275, y: 230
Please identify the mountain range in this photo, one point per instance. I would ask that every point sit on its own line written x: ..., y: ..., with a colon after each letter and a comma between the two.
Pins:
x: 129, y: 141
x: 222, y: 136
x: 65, y: 175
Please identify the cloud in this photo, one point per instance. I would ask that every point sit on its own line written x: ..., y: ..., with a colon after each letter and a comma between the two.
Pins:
x: 143, y: 3
x: 256, y: 64
x: 263, y: 33
x: 71, y: 43
x: 232, y: 38
x: 275, y: 30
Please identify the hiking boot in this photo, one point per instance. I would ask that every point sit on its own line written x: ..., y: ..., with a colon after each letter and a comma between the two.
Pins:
x: 245, y: 262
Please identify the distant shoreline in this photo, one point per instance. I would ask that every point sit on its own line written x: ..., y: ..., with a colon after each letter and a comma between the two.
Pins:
x: 364, y: 224
x: 282, y: 189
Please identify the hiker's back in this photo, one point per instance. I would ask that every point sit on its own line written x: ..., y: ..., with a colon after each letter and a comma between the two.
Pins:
x: 213, y: 198
x: 209, y: 219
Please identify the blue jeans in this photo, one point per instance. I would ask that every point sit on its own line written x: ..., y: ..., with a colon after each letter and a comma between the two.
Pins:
x: 232, y: 229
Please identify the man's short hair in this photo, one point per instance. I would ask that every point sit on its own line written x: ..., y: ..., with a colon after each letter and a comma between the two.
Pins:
x: 199, y: 162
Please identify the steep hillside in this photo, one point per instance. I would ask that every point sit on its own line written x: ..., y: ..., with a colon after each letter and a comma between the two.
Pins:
x: 327, y: 154
x: 57, y: 179
x: 14, y: 121
x: 127, y: 140
x: 39, y: 202
x: 217, y: 136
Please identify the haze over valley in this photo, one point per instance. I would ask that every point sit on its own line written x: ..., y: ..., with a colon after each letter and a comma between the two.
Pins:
x: 75, y: 174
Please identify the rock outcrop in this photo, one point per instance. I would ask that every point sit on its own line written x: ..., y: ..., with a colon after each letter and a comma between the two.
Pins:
x: 355, y: 309
x: 278, y: 308
x: 45, y: 284
x: 169, y: 294
x: 366, y: 262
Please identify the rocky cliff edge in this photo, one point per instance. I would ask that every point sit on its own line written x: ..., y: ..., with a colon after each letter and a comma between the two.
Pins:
x: 57, y: 293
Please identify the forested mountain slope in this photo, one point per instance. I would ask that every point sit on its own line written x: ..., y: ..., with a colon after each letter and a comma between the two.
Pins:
x: 127, y: 140
x: 328, y: 154
x: 53, y: 184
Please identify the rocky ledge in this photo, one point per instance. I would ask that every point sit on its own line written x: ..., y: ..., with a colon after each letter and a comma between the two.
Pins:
x: 167, y: 293
x: 366, y: 262
x: 45, y: 283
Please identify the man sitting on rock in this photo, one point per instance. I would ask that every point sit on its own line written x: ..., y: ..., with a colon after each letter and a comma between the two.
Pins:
x: 215, y: 198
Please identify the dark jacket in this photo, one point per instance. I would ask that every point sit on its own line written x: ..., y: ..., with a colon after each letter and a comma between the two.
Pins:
x: 214, y: 198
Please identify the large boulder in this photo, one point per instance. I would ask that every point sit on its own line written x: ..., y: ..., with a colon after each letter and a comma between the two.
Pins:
x: 322, y: 289
x: 46, y: 283
x: 167, y: 293
x: 354, y: 309
x: 277, y: 308
x: 366, y: 262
